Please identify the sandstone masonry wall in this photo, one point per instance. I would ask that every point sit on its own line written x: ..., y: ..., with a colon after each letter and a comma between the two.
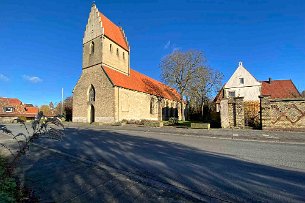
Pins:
x: 282, y: 113
x: 117, y: 61
x: 104, y: 96
x: 232, y: 113
x: 133, y: 105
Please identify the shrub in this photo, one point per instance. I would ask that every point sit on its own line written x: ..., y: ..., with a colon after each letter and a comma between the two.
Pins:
x: 153, y: 123
x: 173, y: 121
x: 23, y: 118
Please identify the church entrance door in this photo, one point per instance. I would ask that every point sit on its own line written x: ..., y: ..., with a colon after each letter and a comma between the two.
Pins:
x: 91, y: 114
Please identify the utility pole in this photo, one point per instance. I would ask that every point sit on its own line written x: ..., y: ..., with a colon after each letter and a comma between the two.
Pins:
x: 62, y: 101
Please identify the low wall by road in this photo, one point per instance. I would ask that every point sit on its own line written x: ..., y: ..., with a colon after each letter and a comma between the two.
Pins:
x: 282, y: 113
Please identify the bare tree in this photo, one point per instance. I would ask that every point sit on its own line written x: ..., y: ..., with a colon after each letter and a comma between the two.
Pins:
x: 178, y: 70
x: 205, y: 83
x: 303, y: 93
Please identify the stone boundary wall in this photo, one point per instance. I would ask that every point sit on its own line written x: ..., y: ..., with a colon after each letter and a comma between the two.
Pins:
x: 282, y: 113
x: 232, y: 113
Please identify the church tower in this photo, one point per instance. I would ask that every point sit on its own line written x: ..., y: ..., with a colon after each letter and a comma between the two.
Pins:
x: 105, y: 44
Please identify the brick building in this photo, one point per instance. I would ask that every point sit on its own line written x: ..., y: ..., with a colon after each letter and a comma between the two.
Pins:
x: 108, y: 89
x: 12, y: 108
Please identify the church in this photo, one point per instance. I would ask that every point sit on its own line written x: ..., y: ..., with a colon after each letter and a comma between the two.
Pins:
x: 108, y: 90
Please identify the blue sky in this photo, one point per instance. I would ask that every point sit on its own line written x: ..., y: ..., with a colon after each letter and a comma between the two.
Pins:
x: 41, y: 41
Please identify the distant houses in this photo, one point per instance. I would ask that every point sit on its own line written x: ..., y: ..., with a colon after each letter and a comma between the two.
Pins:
x: 12, y: 108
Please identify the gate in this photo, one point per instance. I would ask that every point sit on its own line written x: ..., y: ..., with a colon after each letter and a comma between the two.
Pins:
x: 252, y: 113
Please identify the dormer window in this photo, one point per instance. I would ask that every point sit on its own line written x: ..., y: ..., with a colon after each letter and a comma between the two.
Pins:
x: 110, y: 47
x: 241, y: 81
x: 92, y: 48
x: 117, y: 51
x: 8, y: 109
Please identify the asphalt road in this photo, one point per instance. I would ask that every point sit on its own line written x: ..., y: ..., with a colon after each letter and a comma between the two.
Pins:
x: 222, y: 169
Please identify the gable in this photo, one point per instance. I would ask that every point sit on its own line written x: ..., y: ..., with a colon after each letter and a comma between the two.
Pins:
x: 241, y: 72
x: 94, y: 25
x: 98, y: 24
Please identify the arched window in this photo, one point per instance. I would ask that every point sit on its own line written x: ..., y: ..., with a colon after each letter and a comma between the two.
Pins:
x: 123, y: 55
x: 117, y: 51
x: 92, y: 48
x: 91, y: 94
x: 152, y: 106
x: 110, y: 47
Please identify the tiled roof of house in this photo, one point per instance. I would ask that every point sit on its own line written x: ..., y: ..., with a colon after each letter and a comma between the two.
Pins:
x: 11, y: 101
x: 32, y: 110
x: 114, y: 32
x: 279, y: 89
x: 20, y: 109
x: 141, y: 83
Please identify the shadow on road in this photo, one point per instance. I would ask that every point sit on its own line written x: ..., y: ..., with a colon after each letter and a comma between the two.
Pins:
x: 182, y: 167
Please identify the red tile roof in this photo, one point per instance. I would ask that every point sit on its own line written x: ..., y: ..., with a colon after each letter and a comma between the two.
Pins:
x: 11, y: 101
x: 20, y: 109
x: 141, y: 83
x: 32, y: 110
x: 114, y: 32
x: 219, y: 96
x: 280, y: 89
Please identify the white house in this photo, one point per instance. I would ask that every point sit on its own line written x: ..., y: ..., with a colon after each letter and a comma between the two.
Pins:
x: 241, y: 84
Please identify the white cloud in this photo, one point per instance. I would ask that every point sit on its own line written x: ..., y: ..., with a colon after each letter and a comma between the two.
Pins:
x: 167, y: 45
x: 32, y: 79
x: 3, y: 78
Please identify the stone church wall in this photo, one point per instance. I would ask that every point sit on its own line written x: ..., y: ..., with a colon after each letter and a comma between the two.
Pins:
x: 104, y: 96
x: 134, y: 105
x: 91, y: 59
x: 114, y: 60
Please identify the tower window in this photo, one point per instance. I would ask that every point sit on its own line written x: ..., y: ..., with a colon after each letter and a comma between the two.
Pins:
x: 110, y: 47
x: 92, y: 48
x: 117, y: 51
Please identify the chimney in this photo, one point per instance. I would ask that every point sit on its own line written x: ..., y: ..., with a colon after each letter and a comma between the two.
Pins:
x: 270, y: 80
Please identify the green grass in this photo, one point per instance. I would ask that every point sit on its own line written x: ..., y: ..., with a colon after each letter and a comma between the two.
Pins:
x: 8, y: 186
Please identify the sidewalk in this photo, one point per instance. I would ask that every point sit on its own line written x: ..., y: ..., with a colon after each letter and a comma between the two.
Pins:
x: 238, y: 134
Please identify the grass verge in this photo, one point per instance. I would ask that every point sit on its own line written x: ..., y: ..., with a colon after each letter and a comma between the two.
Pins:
x: 8, y: 187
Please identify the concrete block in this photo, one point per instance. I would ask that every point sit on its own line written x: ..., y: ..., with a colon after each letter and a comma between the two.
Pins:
x: 200, y: 125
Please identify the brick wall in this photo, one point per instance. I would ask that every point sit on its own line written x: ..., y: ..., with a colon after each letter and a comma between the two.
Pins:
x: 282, y: 113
